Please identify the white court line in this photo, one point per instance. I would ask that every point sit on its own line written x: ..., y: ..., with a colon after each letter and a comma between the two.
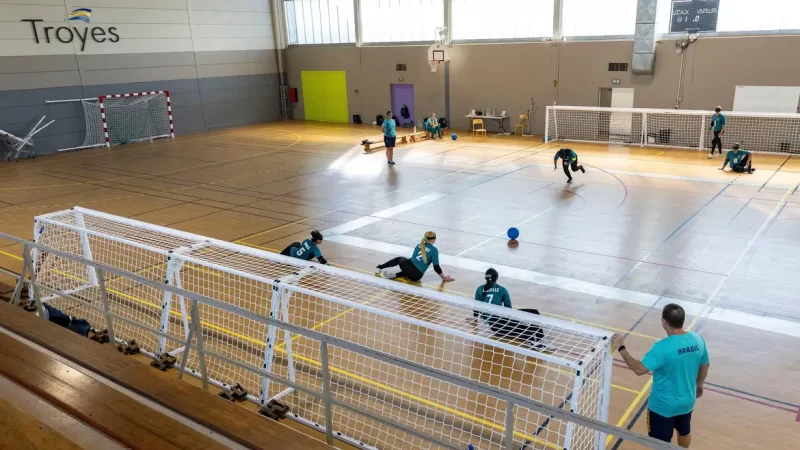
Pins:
x: 737, y: 181
x: 384, y: 214
x: 781, y: 326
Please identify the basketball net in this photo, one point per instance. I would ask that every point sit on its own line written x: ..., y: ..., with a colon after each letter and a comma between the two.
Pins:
x: 434, y: 65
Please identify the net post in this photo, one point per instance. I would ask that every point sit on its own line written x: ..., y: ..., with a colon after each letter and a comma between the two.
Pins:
x: 326, y: 392
x: 181, y: 299
x: 546, y: 124
x: 509, y: 425
x: 101, y: 101
x: 87, y: 249
x: 169, y: 113
x: 573, y: 405
x: 605, y: 400
x: 269, y: 350
x: 187, y: 346
x: 201, y: 353
x: 555, y: 123
x: 15, y: 298
x: 101, y: 282
x: 166, y: 305
x: 702, y: 133
x: 37, y: 231
x: 287, y: 335
x: 644, y: 130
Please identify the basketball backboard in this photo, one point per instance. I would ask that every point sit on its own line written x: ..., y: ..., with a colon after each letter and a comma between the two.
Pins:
x: 437, y: 54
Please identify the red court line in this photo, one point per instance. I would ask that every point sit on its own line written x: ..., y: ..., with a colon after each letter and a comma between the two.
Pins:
x: 740, y: 397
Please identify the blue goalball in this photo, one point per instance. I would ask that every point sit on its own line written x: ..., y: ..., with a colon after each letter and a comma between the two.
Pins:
x: 454, y: 136
x: 513, y: 233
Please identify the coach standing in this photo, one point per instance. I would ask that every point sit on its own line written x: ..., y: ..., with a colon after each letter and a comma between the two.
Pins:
x: 680, y: 365
x: 718, y: 125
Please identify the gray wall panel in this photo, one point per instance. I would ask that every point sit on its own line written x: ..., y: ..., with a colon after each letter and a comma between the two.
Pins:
x: 25, y: 114
x: 59, y: 127
x: 27, y: 97
x: 174, y: 86
x: 50, y: 63
x: 235, y: 57
x: 238, y: 95
x: 134, y: 61
x: 36, y: 80
x: 150, y: 75
x: 240, y: 82
x: 184, y: 125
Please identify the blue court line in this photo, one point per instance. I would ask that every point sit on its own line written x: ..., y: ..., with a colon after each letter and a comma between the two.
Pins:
x: 633, y: 422
x: 775, y: 173
x: 696, y: 213
x: 739, y: 211
x: 738, y: 391
x: 749, y: 394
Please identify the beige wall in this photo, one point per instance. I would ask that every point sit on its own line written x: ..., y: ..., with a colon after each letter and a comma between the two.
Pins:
x: 506, y: 76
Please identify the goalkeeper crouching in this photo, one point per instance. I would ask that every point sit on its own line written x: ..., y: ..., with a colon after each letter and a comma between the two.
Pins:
x: 741, y: 160
x: 503, y: 327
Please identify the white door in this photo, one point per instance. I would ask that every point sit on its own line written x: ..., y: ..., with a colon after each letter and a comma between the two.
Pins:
x: 621, y: 122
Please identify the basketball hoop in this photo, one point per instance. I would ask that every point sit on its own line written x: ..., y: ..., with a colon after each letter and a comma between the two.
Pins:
x: 437, y: 54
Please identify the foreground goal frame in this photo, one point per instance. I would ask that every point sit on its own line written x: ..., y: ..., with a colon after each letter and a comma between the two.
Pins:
x: 104, y: 271
x: 672, y: 128
x: 181, y: 320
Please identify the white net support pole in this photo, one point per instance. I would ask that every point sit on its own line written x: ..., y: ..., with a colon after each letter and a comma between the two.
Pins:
x: 671, y: 128
x: 86, y: 247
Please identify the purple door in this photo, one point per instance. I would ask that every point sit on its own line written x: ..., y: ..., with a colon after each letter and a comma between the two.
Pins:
x: 403, y: 94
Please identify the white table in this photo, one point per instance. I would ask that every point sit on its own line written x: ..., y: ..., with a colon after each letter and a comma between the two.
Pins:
x: 499, y: 119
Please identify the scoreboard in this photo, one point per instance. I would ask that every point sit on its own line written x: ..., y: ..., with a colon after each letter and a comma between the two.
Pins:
x: 699, y: 16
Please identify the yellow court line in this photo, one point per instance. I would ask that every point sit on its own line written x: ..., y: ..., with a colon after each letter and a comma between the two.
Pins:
x: 659, y: 153
x: 630, y: 409
x: 10, y: 255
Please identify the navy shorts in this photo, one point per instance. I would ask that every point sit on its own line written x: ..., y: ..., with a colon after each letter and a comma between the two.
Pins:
x: 662, y: 428
x: 389, y: 141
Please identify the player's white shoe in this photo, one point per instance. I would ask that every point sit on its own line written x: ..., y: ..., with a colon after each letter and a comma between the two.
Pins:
x: 388, y: 274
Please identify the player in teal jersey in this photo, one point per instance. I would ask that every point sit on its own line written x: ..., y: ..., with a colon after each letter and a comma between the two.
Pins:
x: 307, y: 249
x: 680, y: 365
x: 741, y: 160
x: 413, y: 269
x: 504, y: 327
x: 568, y: 159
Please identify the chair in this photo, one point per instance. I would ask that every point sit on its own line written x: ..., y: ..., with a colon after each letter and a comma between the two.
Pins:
x: 475, y: 130
x: 522, y: 122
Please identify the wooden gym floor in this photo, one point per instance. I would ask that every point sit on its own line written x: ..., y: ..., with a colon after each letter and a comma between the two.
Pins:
x: 643, y: 227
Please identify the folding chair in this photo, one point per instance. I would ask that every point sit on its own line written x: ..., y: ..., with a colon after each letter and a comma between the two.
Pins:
x: 18, y: 145
x: 522, y: 122
x: 475, y: 130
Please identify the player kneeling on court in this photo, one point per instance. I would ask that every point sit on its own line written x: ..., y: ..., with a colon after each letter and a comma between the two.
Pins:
x: 741, y: 160
x: 568, y: 159
x: 413, y: 269
x: 680, y: 365
x: 503, y: 327
x: 307, y: 249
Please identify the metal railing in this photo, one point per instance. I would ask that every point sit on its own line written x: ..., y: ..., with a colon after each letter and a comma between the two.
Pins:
x: 194, y: 343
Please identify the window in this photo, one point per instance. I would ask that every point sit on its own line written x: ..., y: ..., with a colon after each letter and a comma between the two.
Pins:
x: 502, y: 19
x: 401, y: 20
x: 320, y: 21
x: 617, y: 67
x: 745, y: 15
x: 599, y: 18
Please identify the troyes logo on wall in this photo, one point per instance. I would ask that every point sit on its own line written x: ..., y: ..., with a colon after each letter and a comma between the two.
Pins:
x: 67, y: 34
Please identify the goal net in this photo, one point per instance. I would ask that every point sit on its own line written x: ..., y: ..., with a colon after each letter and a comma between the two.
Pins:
x: 760, y: 132
x: 126, y: 118
x: 377, y: 404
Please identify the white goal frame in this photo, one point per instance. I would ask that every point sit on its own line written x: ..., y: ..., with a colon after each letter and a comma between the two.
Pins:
x: 580, y: 355
x: 102, y: 100
x: 672, y: 128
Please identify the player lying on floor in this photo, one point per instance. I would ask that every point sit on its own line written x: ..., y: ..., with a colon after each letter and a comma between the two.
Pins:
x: 503, y: 327
x: 425, y: 254
x: 307, y: 249
x: 741, y: 160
